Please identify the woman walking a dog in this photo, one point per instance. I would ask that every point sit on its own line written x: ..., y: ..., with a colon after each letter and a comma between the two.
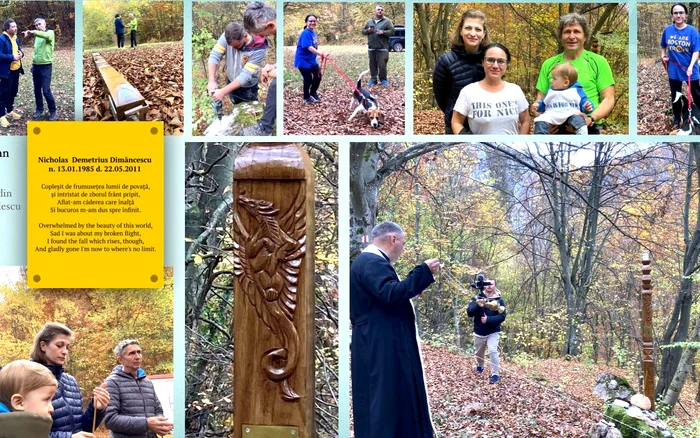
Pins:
x: 492, y: 105
x: 462, y: 65
x: 680, y: 44
x: 305, y: 59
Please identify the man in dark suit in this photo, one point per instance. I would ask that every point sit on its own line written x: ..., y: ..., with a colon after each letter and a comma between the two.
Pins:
x: 389, y: 393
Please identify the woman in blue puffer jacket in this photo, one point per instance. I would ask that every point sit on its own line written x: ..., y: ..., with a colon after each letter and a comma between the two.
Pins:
x: 50, y: 349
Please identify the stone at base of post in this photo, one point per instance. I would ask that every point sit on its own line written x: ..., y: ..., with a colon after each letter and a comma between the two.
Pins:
x: 273, y: 234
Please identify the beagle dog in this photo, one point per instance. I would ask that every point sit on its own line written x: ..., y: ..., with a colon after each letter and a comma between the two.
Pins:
x: 367, y: 103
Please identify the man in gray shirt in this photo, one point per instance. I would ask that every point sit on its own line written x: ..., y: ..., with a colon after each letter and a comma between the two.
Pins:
x: 244, y: 54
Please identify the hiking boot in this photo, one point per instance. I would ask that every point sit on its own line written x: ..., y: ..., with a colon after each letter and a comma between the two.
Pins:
x: 37, y: 114
x: 385, y: 83
x: 372, y: 82
x: 315, y: 98
x: 15, y: 115
x: 479, y: 369
x: 494, y: 379
x: 309, y: 100
x: 253, y: 131
x: 3, y: 122
x: 52, y: 115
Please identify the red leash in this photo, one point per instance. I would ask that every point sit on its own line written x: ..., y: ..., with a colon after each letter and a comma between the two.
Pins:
x: 324, y: 58
x: 690, y: 95
x: 323, y: 63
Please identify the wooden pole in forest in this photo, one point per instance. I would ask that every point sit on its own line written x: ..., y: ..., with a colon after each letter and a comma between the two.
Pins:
x: 273, y: 263
x: 647, y: 331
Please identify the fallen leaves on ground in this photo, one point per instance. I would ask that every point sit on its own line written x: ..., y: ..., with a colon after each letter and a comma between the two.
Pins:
x: 428, y: 122
x: 62, y: 88
x: 654, y: 116
x: 464, y: 404
x: 156, y: 71
x: 330, y: 116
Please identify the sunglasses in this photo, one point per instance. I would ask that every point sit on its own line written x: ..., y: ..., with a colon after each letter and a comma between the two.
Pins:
x: 499, y: 61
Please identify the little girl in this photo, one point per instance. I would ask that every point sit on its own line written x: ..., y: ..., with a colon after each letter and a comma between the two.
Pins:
x: 26, y: 390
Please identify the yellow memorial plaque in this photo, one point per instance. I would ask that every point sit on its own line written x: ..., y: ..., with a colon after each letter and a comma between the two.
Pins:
x: 95, y: 205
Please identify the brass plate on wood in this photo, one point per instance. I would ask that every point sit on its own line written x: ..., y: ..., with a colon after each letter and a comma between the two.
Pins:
x: 258, y: 431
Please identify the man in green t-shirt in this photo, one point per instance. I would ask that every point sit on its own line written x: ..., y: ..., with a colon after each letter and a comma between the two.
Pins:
x: 42, y: 67
x: 133, y: 24
x: 594, y: 72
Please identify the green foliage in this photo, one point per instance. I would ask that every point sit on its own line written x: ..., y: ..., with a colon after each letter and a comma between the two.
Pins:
x: 687, y: 344
x: 523, y: 358
x: 629, y: 426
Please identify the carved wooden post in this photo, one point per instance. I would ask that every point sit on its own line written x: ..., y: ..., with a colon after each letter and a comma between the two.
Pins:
x: 647, y: 333
x: 273, y: 231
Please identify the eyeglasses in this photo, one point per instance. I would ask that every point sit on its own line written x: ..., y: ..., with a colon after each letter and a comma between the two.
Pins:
x: 679, y: 13
x: 499, y: 61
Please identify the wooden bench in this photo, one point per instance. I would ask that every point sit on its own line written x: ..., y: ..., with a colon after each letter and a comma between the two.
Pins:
x: 125, y: 101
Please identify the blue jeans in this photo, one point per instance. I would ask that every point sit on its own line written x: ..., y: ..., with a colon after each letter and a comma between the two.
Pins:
x: 8, y: 92
x: 41, y: 74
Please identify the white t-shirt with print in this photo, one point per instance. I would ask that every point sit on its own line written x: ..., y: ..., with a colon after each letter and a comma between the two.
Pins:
x: 492, y: 113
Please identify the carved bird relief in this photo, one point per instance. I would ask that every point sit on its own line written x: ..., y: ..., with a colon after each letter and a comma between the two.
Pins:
x: 266, y: 260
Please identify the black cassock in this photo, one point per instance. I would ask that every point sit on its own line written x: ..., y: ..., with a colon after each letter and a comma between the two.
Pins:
x: 388, y: 386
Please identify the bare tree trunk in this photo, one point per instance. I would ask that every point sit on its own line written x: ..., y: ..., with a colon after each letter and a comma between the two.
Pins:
x: 364, y: 186
x: 679, y: 325
x: 684, y: 364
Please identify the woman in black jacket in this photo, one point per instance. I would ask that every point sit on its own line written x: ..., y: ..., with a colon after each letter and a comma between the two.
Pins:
x: 462, y: 65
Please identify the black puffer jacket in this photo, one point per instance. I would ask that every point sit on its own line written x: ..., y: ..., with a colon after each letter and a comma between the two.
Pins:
x: 455, y: 70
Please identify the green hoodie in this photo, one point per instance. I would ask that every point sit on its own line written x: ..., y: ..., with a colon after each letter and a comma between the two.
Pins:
x: 43, y: 47
x: 133, y: 24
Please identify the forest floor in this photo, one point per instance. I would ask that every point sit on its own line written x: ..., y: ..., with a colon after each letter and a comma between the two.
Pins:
x: 330, y: 117
x: 535, y: 398
x: 62, y: 88
x: 654, y: 115
x: 156, y: 72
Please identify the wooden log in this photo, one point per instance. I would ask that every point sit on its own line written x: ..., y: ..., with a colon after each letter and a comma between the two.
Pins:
x: 273, y: 231
x: 125, y: 99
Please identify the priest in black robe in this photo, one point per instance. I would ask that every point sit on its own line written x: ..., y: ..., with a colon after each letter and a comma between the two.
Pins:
x: 388, y: 384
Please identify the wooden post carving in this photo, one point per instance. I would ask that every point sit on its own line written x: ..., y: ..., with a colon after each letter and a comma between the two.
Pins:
x: 273, y: 233
x: 647, y: 331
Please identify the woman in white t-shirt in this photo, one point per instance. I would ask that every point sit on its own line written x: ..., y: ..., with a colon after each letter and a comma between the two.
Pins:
x: 492, y: 105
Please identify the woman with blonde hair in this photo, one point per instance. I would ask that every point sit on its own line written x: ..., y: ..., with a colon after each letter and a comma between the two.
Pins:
x: 462, y: 65
x: 50, y: 349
